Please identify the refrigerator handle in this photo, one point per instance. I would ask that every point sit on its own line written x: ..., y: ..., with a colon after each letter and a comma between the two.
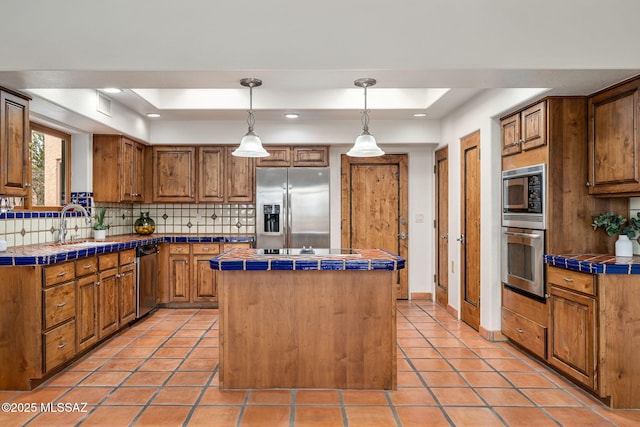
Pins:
x: 285, y: 217
x: 289, y: 216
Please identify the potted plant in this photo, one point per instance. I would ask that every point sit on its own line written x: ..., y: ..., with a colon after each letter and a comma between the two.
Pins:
x: 615, y: 225
x: 99, y: 229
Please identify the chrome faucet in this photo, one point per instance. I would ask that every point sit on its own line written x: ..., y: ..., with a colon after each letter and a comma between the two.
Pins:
x: 63, y: 221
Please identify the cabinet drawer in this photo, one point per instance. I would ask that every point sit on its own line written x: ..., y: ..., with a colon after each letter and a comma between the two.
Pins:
x: 86, y: 266
x: 525, y: 332
x: 59, y: 273
x: 59, y: 304
x: 179, y: 249
x: 59, y: 345
x: 128, y: 257
x: 206, y: 248
x: 581, y: 282
x: 106, y: 262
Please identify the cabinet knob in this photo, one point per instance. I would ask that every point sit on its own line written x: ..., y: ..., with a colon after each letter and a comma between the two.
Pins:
x: 97, y: 283
x: 28, y: 185
x: 588, y: 184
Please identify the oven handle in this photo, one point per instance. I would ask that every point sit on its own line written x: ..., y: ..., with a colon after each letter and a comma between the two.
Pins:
x: 527, y: 235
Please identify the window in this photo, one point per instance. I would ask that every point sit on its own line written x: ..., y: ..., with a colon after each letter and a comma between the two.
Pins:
x: 50, y: 168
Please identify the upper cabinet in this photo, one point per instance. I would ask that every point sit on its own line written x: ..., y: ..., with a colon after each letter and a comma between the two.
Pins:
x: 239, y: 177
x: 14, y: 145
x: 296, y: 156
x: 524, y: 130
x: 191, y: 174
x: 119, y: 167
x: 174, y: 174
x: 614, y: 145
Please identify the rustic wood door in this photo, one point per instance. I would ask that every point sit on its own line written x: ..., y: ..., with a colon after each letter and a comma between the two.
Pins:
x: 442, y: 226
x: 470, y: 228
x: 375, y: 207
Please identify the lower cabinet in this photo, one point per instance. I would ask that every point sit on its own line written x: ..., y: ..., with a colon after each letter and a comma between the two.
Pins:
x: 189, y: 279
x: 524, y: 321
x: 87, y: 312
x: 590, y: 326
x: 572, y: 327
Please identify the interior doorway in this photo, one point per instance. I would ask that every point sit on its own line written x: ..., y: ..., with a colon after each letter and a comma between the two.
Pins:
x: 375, y: 207
x: 470, y: 230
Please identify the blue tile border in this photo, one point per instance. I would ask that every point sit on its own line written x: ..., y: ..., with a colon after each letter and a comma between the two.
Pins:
x: 107, y: 247
x: 577, y: 263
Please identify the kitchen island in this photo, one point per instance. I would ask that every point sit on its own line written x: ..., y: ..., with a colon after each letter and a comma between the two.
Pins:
x: 325, y: 319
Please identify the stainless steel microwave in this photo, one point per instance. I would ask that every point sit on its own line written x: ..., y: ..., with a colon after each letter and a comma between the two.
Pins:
x: 524, y: 197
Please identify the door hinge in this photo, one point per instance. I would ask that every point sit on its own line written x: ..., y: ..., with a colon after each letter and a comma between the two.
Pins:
x: 434, y: 223
x: 434, y: 168
x: 435, y: 278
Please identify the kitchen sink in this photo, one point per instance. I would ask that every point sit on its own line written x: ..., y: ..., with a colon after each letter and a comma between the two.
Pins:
x: 82, y: 244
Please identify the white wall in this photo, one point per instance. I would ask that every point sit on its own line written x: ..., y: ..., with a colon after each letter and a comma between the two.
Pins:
x: 481, y: 113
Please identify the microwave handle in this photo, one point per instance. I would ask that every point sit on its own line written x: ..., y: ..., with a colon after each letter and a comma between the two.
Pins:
x: 527, y: 235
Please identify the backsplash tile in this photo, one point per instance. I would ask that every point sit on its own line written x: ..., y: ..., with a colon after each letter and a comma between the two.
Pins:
x: 24, y: 228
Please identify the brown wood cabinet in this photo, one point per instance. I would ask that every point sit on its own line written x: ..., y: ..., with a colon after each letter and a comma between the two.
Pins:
x: 219, y: 176
x: 614, y: 143
x: 72, y: 306
x: 211, y: 161
x: 572, y: 325
x: 15, y: 137
x: 188, y: 280
x: 524, y: 321
x: 524, y: 130
x: 240, y: 178
x: 174, y: 174
x: 294, y: 156
x: 591, y: 332
x: 119, y: 168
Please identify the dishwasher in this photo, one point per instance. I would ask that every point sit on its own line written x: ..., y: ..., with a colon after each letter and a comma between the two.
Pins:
x: 147, y: 278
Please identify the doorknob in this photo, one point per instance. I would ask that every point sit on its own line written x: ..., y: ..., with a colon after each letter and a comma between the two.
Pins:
x: 402, y: 235
x: 445, y: 237
x: 461, y: 238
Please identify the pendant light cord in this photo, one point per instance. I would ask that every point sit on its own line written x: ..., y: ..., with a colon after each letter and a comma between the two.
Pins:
x: 365, y: 113
x: 251, y: 120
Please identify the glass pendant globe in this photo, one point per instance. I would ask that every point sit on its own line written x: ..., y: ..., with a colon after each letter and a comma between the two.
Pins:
x: 365, y: 146
x: 250, y: 146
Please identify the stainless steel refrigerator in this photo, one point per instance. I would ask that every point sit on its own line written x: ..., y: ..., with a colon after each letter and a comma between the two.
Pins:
x: 292, y: 208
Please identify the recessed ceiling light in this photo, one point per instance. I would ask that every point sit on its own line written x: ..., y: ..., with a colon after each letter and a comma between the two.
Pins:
x: 153, y: 115
x: 112, y: 90
x: 292, y: 115
x: 420, y: 115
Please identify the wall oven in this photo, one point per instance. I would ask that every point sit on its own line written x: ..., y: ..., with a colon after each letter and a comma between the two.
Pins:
x: 523, y: 260
x: 523, y: 197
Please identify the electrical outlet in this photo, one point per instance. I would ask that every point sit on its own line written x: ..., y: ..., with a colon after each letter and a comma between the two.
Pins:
x: 198, y: 218
x: 419, y: 218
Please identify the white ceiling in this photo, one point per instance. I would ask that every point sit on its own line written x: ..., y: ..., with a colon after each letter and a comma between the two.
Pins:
x: 185, y: 59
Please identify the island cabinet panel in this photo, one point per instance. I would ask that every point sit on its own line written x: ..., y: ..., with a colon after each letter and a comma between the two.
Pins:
x: 307, y: 329
x: 15, y: 137
x: 614, y: 143
x: 174, y: 174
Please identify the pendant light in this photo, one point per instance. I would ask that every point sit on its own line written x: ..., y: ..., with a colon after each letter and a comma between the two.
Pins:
x: 250, y: 145
x: 365, y: 145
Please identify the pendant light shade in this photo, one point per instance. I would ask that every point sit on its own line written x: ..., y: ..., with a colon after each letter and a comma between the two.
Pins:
x: 365, y: 145
x: 250, y: 144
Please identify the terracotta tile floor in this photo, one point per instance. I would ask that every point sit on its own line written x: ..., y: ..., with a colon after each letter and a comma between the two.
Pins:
x: 162, y: 371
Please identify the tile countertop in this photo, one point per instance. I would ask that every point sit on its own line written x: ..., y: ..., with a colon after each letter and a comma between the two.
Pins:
x: 596, y: 263
x: 51, y: 253
x: 323, y: 259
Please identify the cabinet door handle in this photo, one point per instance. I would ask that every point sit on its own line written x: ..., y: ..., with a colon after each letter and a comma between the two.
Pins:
x: 62, y: 304
x: 62, y: 273
x: 64, y: 344
x: 520, y: 330
x: 567, y: 279
x: 205, y: 249
x: 179, y: 249
x: 86, y: 267
x: 97, y: 283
